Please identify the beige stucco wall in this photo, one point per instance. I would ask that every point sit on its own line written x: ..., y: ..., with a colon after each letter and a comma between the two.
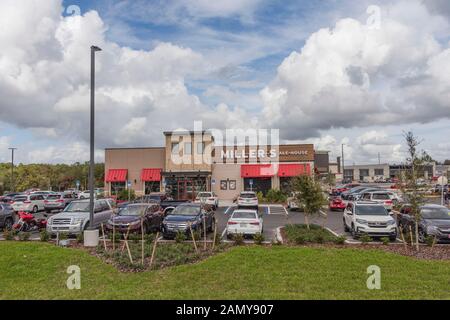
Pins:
x: 224, y: 172
x: 134, y: 160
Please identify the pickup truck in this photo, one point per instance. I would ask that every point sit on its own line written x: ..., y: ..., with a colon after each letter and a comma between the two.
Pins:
x: 75, y: 217
x: 179, y: 219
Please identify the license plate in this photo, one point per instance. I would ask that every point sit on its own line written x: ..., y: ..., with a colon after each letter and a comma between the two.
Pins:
x: 243, y: 225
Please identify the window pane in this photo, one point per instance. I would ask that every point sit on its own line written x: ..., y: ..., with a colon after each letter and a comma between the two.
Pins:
x: 200, y: 147
x: 187, y: 148
x: 175, y: 148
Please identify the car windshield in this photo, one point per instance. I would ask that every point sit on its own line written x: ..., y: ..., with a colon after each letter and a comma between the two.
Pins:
x: 132, y: 211
x: 380, y: 196
x: 248, y: 195
x: 368, y: 210
x: 204, y: 195
x: 77, y: 207
x: 185, y: 211
x: 53, y: 197
x: 244, y: 215
x: 436, y: 213
x: 20, y: 199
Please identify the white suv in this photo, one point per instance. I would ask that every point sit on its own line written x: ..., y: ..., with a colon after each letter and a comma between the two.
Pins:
x: 28, y: 203
x: 381, y: 197
x: 209, y: 198
x: 371, y: 218
x: 247, y: 199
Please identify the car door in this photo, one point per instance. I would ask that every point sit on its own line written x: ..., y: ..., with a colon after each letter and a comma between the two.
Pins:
x: 348, y: 215
x: 101, y: 212
x: 40, y: 201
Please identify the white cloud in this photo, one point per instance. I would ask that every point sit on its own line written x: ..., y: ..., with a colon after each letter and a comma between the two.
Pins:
x: 5, y: 143
x: 44, y: 79
x: 355, y: 76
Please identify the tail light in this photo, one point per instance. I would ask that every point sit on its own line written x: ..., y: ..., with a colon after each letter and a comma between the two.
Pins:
x: 255, y: 198
x: 232, y: 222
x: 255, y: 223
x: 60, y: 201
x: 45, y: 201
x: 388, y: 202
x: 27, y: 201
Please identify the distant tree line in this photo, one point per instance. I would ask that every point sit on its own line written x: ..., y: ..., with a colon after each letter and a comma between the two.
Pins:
x: 56, y: 177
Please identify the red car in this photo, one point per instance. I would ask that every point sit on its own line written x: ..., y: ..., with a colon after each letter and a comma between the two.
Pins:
x: 337, y: 204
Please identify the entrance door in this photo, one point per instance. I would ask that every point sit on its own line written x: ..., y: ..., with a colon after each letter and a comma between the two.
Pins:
x: 186, y: 190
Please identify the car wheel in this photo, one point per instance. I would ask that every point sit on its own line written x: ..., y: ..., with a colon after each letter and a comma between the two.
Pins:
x: 35, y: 209
x: 393, y: 238
x: 8, y: 224
x: 422, y: 236
x: 48, y: 211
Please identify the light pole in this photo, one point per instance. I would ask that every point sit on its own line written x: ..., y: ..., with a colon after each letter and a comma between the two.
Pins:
x: 12, y: 168
x: 91, y: 236
x: 343, y: 162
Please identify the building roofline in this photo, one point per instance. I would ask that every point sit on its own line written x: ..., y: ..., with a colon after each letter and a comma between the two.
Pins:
x: 135, y: 148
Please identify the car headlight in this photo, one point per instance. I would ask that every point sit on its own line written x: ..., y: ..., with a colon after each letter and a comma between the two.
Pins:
x: 361, y: 221
x: 77, y: 221
x: 391, y: 222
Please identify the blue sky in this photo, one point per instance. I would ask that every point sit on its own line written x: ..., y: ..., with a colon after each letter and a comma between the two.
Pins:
x: 245, y: 57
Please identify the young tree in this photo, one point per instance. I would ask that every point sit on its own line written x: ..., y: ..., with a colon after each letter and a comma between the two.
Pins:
x: 309, y: 195
x: 410, y: 187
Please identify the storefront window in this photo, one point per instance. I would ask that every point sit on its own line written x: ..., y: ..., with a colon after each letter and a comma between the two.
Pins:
x: 200, y: 147
x: 117, y: 187
x: 258, y: 184
x: 286, y: 185
x: 152, y: 186
x: 185, y: 188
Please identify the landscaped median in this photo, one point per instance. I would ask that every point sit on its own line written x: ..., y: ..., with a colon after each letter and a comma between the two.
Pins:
x: 32, y: 270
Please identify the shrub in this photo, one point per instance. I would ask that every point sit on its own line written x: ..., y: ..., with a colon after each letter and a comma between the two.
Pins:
x: 180, y: 237
x: 319, y: 238
x: 260, y: 196
x: 117, y: 237
x: 149, y: 238
x: 340, y: 240
x: 62, y: 236
x: 80, y: 237
x: 135, y: 237
x: 124, y: 196
x: 385, y: 241
x: 365, y: 238
x: 24, y: 236
x: 197, y: 235
x: 276, y: 196
x: 8, y: 235
x: 429, y: 241
x: 44, y: 236
x: 300, y: 239
x: 258, y: 238
x: 238, y: 239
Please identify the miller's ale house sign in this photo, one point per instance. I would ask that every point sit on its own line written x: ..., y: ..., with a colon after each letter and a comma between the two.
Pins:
x: 285, y: 153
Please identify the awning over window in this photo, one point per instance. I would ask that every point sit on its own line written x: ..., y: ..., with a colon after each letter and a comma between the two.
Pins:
x: 116, y: 175
x: 257, y: 170
x: 151, y: 175
x: 293, y: 170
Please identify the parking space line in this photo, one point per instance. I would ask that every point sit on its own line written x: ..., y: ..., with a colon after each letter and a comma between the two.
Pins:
x: 229, y: 207
x: 223, y: 233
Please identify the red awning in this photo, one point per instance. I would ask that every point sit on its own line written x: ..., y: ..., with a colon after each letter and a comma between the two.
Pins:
x: 151, y: 175
x: 293, y: 170
x: 257, y: 170
x: 116, y: 175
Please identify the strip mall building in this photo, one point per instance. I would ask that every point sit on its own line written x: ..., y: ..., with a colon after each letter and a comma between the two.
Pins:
x: 191, y: 162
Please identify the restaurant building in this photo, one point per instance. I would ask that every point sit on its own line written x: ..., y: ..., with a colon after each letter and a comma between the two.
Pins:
x: 191, y: 162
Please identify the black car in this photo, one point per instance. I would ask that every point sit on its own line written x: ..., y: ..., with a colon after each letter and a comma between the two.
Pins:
x: 179, y: 219
x: 8, y: 198
x: 129, y: 218
x: 6, y: 216
x: 434, y: 221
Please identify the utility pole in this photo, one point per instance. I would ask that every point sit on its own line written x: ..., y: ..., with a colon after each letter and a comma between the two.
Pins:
x: 12, y: 168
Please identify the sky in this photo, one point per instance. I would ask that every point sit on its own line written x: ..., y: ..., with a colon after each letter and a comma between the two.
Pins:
x: 359, y: 73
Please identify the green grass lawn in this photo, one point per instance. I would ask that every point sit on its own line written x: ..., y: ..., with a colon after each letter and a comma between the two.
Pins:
x: 38, y: 271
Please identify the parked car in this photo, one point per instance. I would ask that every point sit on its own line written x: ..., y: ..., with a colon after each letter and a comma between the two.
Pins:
x: 9, y: 197
x: 292, y: 203
x: 208, y: 198
x: 380, y: 197
x: 246, y: 222
x: 153, y: 196
x: 85, y: 195
x: 58, y: 201
x: 342, y: 188
x: 355, y: 196
x: 179, y: 219
x: 371, y: 218
x: 43, y: 193
x: 75, y: 217
x: 6, y: 216
x: 337, y: 204
x: 130, y: 217
x: 247, y: 199
x: 346, y: 194
x: 434, y: 221
x: 28, y: 203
